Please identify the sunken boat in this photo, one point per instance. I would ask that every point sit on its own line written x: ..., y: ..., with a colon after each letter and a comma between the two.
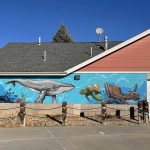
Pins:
x: 115, y: 92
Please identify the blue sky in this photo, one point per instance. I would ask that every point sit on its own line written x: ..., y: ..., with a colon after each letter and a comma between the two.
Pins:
x: 25, y: 20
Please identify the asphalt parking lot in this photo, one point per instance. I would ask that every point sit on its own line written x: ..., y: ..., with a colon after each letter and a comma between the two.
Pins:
x: 76, y: 138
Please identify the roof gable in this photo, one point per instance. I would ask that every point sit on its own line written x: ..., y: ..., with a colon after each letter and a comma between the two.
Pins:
x: 110, y: 51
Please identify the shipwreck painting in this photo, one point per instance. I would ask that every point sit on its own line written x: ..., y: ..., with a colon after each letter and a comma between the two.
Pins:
x: 90, y: 88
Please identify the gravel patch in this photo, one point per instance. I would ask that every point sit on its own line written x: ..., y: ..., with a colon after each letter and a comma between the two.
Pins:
x: 56, y: 120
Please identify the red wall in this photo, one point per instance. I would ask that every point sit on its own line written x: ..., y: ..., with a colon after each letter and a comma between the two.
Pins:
x: 134, y: 57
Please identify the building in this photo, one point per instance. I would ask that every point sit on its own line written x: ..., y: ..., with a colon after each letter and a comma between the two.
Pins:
x: 117, y: 72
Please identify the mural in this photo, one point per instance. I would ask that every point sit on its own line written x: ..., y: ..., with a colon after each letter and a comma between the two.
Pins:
x: 90, y: 88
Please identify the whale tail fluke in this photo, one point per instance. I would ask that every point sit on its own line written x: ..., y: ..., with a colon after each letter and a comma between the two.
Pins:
x: 11, y: 82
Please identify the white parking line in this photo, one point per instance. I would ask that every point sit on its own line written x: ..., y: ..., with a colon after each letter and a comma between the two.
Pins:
x: 30, y: 139
x: 51, y: 134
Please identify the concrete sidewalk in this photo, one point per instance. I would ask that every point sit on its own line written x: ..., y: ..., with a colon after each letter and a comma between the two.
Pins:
x: 76, y: 138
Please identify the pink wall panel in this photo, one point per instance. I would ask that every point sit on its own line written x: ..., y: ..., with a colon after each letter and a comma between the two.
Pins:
x: 134, y: 57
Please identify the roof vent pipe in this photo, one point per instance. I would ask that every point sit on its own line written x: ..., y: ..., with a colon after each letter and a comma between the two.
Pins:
x: 91, y: 51
x: 39, y: 43
x: 44, y: 57
x: 106, y: 43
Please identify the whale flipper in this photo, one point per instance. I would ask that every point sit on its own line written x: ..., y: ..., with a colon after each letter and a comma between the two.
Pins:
x: 54, y: 99
x: 41, y: 98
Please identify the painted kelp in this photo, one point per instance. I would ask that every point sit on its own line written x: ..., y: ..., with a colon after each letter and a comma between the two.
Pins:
x: 7, y: 95
x: 91, y: 88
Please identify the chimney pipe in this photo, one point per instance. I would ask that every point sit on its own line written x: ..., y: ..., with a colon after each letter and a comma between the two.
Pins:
x: 91, y: 51
x: 106, y: 43
x: 39, y: 43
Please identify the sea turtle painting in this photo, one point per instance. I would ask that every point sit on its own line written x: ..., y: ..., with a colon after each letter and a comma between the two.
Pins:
x: 92, y: 90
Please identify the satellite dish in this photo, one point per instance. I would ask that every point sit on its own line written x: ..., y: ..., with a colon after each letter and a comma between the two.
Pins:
x: 99, y: 31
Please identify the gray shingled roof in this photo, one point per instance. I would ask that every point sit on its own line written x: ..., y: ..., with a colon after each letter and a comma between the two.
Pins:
x: 27, y: 57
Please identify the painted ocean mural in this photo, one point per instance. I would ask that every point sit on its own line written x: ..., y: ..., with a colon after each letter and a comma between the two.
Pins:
x: 89, y: 88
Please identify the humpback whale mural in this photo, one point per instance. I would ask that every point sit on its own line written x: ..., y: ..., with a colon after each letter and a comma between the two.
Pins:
x: 45, y: 88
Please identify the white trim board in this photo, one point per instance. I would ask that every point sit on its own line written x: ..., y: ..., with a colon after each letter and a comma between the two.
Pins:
x: 32, y: 74
x: 148, y: 94
x: 112, y: 72
x: 109, y: 51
